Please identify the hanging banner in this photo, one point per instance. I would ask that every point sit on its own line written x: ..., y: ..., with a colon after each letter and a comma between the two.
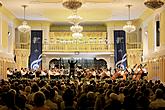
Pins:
x: 35, y: 59
x: 120, y: 55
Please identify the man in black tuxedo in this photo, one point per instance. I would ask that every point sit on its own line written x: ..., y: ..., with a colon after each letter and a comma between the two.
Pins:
x: 72, y: 68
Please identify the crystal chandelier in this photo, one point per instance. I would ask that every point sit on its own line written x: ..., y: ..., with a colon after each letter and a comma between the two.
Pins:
x: 24, y: 27
x: 0, y: 3
x: 154, y: 4
x: 74, y: 19
x: 77, y: 35
x: 76, y: 28
x: 72, y: 4
x: 129, y: 27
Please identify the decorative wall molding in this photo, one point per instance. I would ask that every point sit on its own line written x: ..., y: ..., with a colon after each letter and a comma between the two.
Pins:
x: 158, y: 53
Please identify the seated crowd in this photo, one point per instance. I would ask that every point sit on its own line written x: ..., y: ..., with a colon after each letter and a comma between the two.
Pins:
x: 22, y: 94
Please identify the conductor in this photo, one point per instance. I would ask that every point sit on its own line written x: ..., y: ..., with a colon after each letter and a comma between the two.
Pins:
x: 72, y: 68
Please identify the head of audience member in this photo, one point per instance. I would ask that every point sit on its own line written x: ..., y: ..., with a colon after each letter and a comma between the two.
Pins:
x: 91, y: 96
x: 28, y: 90
x: 47, y: 94
x: 41, y: 83
x: 113, y: 97
x: 21, y: 101
x: 68, y: 95
x: 10, y: 98
x: 159, y: 94
x: 21, y: 87
x: 39, y: 99
x: 34, y: 87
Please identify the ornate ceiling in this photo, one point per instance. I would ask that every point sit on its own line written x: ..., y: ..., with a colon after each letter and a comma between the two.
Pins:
x: 91, y: 10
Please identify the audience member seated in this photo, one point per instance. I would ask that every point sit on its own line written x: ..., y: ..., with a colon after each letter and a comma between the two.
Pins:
x: 39, y: 101
x: 159, y: 102
x: 48, y: 102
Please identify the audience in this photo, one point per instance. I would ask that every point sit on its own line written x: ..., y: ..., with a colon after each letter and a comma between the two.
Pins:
x: 19, y: 94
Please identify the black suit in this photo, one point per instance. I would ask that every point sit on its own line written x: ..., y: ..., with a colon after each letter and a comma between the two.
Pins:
x: 72, y: 68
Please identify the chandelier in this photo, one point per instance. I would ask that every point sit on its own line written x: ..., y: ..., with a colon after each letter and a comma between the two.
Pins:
x: 72, y: 4
x: 129, y: 27
x: 24, y: 27
x: 74, y: 19
x: 77, y: 35
x: 0, y: 3
x: 76, y: 28
x: 154, y: 4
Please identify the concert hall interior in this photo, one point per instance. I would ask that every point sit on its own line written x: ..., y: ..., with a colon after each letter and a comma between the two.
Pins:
x: 92, y: 42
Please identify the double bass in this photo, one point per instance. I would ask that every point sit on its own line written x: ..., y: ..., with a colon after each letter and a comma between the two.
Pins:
x: 139, y: 72
x: 116, y: 74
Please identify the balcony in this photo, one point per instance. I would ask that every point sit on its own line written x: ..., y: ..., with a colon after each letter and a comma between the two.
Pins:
x: 78, y: 47
x: 87, y: 47
x: 135, y: 46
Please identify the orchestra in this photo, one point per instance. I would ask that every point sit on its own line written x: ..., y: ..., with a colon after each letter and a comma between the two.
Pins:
x: 136, y: 73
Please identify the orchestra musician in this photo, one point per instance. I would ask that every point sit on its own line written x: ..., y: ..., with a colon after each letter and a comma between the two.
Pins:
x: 31, y: 74
x: 62, y: 72
x: 9, y: 73
x: 116, y: 74
x: 51, y: 74
x: 92, y: 73
x: 43, y: 74
x: 140, y: 72
x: 80, y: 72
x: 127, y: 73
x: 105, y: 74
x: 56, y: 73
x: 87, y: 74
x: 23, y: 73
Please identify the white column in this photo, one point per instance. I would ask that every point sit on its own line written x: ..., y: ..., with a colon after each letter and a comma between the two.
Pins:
x: 110, y: 36
x: 145, y: 42
x: 11, y: 38
x: 0, y: 31
x: 46, y: 35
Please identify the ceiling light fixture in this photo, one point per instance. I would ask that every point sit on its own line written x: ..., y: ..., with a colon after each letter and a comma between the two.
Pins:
x: 74, y: 19
x: 72, y: 4
x: 77, y: 35
x: 129, y: 27
x: 76, y: 28
x: 24, y: 27
x: 0, y: 3
x: 154, y: 4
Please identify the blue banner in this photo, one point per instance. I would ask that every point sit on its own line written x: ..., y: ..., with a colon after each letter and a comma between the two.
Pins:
x: 120, y: 55
x: 35, y: 59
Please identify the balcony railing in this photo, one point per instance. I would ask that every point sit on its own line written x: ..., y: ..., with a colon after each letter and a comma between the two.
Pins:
x: 78, y: 47
x: 135, y: 45
x: 22, y: 45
